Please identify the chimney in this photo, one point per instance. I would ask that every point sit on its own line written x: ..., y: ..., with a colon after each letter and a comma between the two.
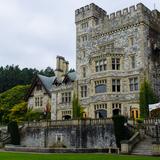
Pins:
x: 61, y: 67
x: 65, y: 67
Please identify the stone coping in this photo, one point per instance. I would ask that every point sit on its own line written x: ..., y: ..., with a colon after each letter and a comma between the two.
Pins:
x: 60, y: 150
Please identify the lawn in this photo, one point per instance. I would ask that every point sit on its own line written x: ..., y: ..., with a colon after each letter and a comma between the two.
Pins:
x: 30, y: 156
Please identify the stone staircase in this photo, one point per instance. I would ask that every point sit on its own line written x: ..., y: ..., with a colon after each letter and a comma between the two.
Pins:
x: 144, y: 147
x: 5, y: 137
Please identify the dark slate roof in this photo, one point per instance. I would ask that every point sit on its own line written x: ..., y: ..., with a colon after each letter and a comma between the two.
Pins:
x: 47, y: 81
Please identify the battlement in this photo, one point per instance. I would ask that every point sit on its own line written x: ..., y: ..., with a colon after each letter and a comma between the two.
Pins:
x: 90, y: 7
x: 132, y: 10
x: 89, y: 11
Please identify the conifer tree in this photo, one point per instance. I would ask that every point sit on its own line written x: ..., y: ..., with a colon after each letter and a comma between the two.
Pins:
x: 147, y: 97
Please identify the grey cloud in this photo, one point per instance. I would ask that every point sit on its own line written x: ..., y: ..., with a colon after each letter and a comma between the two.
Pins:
x: 33, y: 32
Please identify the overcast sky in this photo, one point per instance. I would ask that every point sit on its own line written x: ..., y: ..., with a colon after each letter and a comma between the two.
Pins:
x: 33, y: 32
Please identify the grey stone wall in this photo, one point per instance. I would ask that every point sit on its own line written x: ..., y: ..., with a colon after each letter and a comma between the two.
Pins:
x: 70, y: 136
x: 137, y: 22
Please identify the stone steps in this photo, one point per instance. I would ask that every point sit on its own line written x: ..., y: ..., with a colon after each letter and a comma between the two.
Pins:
x: 144, y: 147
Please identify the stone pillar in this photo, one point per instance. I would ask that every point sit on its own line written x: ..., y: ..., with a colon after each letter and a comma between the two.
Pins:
x: 156, y: 149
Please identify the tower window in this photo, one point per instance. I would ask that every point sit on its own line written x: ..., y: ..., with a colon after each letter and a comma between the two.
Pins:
x: 84, y: 25
x: 101, y: 88
x: 84, y: 38
x: 133, y: 83
x: 116, y: 87
x: 84, y: 72
x: 115, y: 63
x: 133, y: 63
x: 101, y: 65
x: 84, y: 91
x: 131, y: 41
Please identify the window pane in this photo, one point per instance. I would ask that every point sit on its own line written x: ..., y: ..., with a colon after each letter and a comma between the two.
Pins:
x: 100, y: 88
x: 118, y: 82
x: 118, y: 88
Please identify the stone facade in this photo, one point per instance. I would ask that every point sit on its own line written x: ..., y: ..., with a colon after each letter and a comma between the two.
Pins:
x: 113, y: 53
x: 39, y: 95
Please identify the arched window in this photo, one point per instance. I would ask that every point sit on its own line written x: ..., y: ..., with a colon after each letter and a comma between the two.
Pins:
x: 101, y: 113
x: 101, y: 88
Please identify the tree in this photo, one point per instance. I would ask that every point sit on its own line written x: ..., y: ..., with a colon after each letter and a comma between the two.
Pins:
x: 9, y: 99
x: 14, y: 132
x: 11, y: 76
x: 147, y: 97
x: 76, y: 107
x: 18, y: 112
x: 49, y: 72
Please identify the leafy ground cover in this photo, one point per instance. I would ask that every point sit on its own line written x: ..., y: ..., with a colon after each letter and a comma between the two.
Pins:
x: 31, y: 156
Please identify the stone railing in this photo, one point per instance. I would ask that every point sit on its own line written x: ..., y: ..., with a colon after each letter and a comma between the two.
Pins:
x: 127, y: 145
x: 151, y: 128
x: 69, y: 122
x: 151, y: 121
x: 156, y: 148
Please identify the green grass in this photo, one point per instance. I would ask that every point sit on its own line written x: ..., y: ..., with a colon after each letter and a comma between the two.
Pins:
x: 31, y: 156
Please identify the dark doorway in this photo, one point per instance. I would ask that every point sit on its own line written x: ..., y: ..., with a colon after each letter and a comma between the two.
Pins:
x: 116, y: 112
x: 66, y: 117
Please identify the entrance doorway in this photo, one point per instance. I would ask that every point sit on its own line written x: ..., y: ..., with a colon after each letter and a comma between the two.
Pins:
x: 66, y: 117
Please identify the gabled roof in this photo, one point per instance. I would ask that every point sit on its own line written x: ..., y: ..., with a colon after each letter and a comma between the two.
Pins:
x: 71, y: 76
x: 45, y: 81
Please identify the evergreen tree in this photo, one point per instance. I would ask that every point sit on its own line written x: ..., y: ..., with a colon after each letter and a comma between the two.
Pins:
x: 147, y: 97
x: 76, y: 107
x: 11, y: 76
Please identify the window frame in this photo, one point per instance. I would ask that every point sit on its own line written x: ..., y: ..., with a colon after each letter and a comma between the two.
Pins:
x: 116, y: 85
x: 133, y: 84
x: 116, y: 63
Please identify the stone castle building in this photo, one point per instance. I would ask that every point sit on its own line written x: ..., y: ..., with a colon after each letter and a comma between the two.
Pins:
x: 114, y: 54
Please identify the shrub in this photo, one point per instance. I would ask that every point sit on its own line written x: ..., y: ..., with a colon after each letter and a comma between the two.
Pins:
x: 139, y: 120
x: 14, y: 132
x: 119, y: 129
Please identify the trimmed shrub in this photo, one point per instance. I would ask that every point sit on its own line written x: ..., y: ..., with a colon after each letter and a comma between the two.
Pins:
x: 119, y: 129
x: 14, y: 132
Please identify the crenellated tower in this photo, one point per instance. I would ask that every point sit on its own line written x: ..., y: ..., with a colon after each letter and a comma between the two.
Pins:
x: 86, y: 19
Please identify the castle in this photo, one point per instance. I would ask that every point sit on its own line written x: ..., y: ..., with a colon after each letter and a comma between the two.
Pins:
x: 114, y: 54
